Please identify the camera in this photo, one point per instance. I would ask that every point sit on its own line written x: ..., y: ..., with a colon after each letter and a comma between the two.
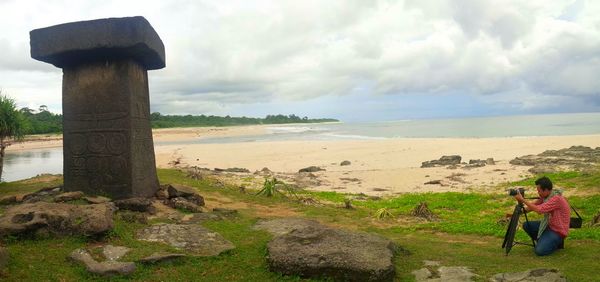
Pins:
x: 513, y: 192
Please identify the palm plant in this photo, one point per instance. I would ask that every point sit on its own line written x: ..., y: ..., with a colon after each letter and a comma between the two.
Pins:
x: 272, y: 186
x: 12, y: 125
x: 269, y: 187
x: 383, y: 213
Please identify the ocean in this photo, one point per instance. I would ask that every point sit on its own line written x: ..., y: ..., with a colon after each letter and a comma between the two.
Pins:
x: 21, y: 165
x: 480, y: 127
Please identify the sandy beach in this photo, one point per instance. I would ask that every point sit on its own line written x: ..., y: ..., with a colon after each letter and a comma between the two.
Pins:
x: 378, y: 167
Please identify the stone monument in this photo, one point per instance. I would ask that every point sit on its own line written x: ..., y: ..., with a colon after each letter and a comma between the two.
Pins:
x: 107, y: 137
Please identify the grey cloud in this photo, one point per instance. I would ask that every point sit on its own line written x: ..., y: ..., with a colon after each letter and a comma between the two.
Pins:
x: 242, y: 52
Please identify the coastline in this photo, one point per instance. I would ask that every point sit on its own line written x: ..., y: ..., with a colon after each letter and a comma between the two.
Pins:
x: 378, y: 167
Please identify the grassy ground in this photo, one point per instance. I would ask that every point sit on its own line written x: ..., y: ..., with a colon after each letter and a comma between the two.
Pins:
x: 466, y: 234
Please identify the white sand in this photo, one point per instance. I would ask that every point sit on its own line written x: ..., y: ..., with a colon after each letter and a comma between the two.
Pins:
x: 392, y: 165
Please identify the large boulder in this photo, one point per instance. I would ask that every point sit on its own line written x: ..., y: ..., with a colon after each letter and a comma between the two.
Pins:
x: 136, y: 204
x: 443, y: 161
x: 69, y: 196
x: 284, y: 225
x: 189, y: 193
x: 57, y: 219
x: 319, y: 251
x: 192, y: 238
x: 572, y: 157
x: 532, y: 275
x: 184, y: 204
x: 111, y: 252
x: 105, y: 268
x: 8, y: 200
x: 160, y: 257
x: 311, y: 169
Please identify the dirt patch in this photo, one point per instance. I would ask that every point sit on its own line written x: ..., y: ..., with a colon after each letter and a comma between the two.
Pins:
x: 43, y: 178
x: 215, y: 200
x: 273, y: 211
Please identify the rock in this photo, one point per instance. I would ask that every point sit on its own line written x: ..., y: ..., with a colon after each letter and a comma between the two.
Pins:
x: 456, y: 273
x: 162, y: 193
x: 423, y: 274
x: 107, y: 268
x: 306, y: 179
x: 33, y: 197
x: 543, y: 169
x: 433, y: 272
x: 160, y: 257
x: 376, y: 189
x: 490, y: 161
x: 192, y: 238
x: 311, y: 169
x: 434, y: 182
x: 189, y: 193
x: 344, y: 163
x: 184, y: 204
x: 532, y: 275
x: 225, y: 212
x: 8, y: 200
x: 3, y: 257
x: 136, y: 204
x: 232, y: 169
x: 113, y: 253
x: 284, y: 225
x: 97, y: 200
x: 200, y: 217
x: 265, y: 171
x: 319, y: 251
x: 57, y: 219
x: 572, y: 157
x: 450, y: 274
x: 69, y: 196
x: 476, y: 163
x: 443, y: 161
x: 351, y: 179
x: 133, y: 217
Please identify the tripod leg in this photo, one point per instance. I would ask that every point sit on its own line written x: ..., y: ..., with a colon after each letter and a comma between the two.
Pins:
x: 511, y: 230
x: 527, y: 221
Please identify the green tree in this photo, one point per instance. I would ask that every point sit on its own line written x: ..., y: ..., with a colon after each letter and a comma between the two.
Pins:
x: 12, y: 125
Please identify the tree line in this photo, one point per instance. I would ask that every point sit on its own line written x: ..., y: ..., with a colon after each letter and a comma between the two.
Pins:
x: 15, y: 124
x: 165, y: 121
x: 42, y: 121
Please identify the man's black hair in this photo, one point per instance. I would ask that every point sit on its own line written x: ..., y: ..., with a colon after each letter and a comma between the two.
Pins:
x: 544, y: 183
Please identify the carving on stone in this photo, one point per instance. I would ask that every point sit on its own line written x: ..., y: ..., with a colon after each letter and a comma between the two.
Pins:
x: 77, y: 145
x: 97, y: 143
x: 116, y: 143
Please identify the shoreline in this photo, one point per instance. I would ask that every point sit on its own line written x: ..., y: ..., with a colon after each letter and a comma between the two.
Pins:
x: 378, y: 167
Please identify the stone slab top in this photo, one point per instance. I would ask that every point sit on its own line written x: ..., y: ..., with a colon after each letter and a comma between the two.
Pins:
x: 79, y: 42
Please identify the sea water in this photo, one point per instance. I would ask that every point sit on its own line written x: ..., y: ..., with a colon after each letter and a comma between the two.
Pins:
x: 481, y: 127
x: 20, y: 165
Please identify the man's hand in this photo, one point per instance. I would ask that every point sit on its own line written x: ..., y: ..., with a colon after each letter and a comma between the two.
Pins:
x: 519, y: 197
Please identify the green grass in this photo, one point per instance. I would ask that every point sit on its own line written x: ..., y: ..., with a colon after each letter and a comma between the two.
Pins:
x: 28, y: 186
x: 582, y: 180
x: 466, y: 235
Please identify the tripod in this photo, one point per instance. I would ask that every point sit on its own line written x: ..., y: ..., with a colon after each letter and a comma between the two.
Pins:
x: 509, y: 237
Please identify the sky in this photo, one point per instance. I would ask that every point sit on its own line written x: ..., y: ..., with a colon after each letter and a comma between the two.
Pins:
x: 351, y: 60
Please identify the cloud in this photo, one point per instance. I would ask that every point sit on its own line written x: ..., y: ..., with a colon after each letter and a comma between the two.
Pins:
x: 224, y: 55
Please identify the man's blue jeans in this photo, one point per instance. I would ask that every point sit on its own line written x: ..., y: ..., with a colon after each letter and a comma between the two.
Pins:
x: 547, y: 243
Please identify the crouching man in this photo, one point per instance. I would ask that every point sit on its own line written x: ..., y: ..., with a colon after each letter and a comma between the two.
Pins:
x: 551, y: 232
